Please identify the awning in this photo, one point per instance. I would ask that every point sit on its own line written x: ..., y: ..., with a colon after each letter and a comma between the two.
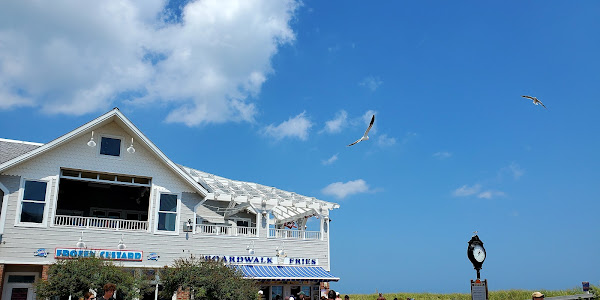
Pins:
x: 285, y: 273
x: 209, y: 215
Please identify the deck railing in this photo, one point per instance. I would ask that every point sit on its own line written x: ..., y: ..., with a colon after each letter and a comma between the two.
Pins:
x: 294, y: 234
x: 100, y: 223
x: 225, y: 230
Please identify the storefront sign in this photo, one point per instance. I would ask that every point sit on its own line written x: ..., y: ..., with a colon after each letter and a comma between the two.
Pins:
x: 262, y: 260
x: 122, y: 255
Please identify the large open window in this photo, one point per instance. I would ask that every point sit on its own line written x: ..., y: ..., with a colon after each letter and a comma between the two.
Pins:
x: 97, y: 195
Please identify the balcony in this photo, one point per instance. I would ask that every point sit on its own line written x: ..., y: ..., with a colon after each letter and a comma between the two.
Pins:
x: 224, y: 230
x: 100, y: 223
x: 294, y: 234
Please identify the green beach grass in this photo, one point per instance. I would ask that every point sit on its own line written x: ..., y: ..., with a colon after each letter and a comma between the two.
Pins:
x: 494, y: 295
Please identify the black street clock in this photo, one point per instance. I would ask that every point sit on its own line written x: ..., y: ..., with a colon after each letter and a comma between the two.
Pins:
x: 476, y: 253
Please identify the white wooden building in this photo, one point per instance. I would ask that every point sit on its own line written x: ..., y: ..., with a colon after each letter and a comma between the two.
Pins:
x: 105, y: 189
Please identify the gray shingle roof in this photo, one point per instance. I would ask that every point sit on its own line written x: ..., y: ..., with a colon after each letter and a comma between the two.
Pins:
x: 10, y: 149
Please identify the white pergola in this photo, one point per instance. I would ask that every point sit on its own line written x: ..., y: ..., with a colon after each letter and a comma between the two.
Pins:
x: 285, y: 206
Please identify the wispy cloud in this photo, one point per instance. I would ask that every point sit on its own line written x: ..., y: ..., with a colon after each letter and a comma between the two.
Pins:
x: 337, y: 124
x: 476, y: 189
x: 371, y: 82
x: 342, y: 190
x: 466, y: 190
x: 199, y: 64
x: 489, y: 194
x: 330, y: 160
x: 442, y: 154
x: 385, y: 141
x: 514, y: 170
x: 297, y: 126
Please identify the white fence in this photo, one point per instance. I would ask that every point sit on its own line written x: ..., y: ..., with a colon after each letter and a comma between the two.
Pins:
x: 294, y: 234
x: 225, y: 230
x: 100, y: 223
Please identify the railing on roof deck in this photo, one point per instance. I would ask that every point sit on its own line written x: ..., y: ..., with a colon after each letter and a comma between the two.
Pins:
x: 225, y: 230
x: 294, y: 234
x: 100, y: 223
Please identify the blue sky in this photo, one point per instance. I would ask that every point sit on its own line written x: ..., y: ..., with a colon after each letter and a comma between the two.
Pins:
x: 273, y: 91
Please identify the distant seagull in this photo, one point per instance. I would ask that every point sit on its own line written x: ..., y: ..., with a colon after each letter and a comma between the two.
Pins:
x: 535, y: 101
x: 365, y: 136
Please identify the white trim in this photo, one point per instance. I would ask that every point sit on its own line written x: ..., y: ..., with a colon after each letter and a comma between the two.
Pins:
x: 177, y: 214
x: 3, y: 209
x: 44, y: 223
x: 20, y: 142
x: 110, y: 116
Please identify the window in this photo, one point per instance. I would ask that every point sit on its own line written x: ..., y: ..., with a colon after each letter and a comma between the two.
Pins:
x: 110, y: 146
x: 167, y: 212
x: 277, y: 290
x: 34, y: 201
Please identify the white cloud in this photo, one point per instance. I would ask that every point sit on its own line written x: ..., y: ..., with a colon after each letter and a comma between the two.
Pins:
x: 466, y: 190
x: 371, y: 83
x: 342, y: 190
x: 84, y: 57
x: 442, y: 154
x: 297, y: 126
x: 489, y: 194
x: 384, y: 141
x: 330, y: 160
x: 336, y: 125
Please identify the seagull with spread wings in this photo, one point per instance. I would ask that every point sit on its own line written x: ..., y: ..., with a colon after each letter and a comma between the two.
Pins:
x: 535, y: 101
x: 365, y: 136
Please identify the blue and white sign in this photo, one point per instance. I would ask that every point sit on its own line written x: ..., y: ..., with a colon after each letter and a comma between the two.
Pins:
x: 40, y: 252
x: 122, y: 255
x: 262, y: 260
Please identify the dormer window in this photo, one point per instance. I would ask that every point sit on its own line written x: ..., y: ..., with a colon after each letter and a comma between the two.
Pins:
x: 110, y: 146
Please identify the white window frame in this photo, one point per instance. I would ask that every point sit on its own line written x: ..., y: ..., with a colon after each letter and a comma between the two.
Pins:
x: 4, y: 207
x: 116, y: 137
x: 44, y: 223
x: 177, y: 213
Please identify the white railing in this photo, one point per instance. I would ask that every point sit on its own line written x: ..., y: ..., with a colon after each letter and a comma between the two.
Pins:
x: 294, y: 234
x: 225, y: 230
x: 100, y: 223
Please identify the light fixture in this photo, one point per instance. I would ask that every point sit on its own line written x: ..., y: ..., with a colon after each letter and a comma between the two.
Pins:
x: 188, y: 226
x: 280, y: 252
x: 81, y: 244
x: 121, y: 246
x: 131, y: 149
x: 91, y: 143
x: 250, y: 248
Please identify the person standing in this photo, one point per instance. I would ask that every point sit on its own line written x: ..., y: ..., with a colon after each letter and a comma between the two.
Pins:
x: 331, y: 295
x: 89, y: 296
x: 381, y: 297
x: 109, y: 291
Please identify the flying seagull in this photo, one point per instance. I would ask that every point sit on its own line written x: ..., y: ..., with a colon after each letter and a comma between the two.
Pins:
x: 365, y: 136
x: 535, y: 101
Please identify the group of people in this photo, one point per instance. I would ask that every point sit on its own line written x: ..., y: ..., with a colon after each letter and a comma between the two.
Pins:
x: 108, y: 289
x: 333, y: 295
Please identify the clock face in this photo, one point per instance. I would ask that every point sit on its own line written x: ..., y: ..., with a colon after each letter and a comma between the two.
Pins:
x: 478, y: 253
